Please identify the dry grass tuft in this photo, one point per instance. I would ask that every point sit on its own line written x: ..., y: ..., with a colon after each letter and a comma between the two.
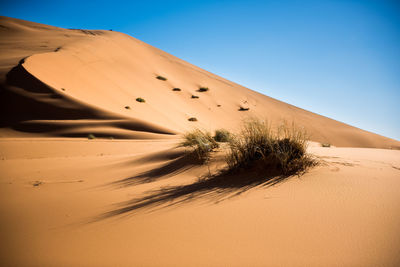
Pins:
x: 258, y: 146
x: 222, y: 135
x: 201, y: 143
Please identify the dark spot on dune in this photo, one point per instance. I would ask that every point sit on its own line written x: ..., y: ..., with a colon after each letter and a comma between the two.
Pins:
x: 37, y: 183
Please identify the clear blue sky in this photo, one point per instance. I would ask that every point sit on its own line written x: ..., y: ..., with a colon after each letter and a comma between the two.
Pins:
x: 340, y: 59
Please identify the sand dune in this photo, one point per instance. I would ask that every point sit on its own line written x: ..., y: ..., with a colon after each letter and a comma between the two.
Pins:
x: 133, y: 198
x: 63, y: 75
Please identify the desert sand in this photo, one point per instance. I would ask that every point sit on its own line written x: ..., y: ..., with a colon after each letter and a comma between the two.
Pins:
x: 131, y: 198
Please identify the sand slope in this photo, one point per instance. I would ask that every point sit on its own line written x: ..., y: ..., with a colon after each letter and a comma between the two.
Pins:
x: 53, y: 77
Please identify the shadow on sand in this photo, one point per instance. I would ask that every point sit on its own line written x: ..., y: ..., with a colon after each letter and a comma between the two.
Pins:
x: 181, y: 162
x: 212, y: 188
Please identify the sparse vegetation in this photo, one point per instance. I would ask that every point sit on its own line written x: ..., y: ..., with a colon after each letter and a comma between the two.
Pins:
x: 326, y: 145
x: 63, y: 89
x: 176, y: 89
x: 192, y: 119
x: 201, y: 142
x: 222, y: 135
x: 267, y: 157
x: 244, y: 108
x: 195, y: 96
x: 127, y: 107
x: 203, y: 89
x: 218, y: 105
x: 91, y: 136
x: 161, y: 78
x: 141, y: 100
x: 258, y: 146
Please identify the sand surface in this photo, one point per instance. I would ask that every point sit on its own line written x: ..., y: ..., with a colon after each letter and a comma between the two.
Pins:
x: 345, y: 212
x: 136, y: 199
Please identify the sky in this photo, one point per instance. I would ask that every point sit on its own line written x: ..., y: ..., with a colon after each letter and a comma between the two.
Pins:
x: 338, y: 58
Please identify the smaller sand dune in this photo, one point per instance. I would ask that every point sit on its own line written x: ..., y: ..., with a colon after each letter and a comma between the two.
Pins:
x: 35, y: 108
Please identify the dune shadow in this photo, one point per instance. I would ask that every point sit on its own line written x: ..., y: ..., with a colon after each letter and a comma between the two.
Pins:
x: 214, y: 189
x: 32, y: 106
x: 23, y: 97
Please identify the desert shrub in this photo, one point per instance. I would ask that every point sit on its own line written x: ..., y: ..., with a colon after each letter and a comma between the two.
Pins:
x: 203, y: 89
x: 222, y: 135
x: 127, y: 107
x: 192, y: 119
x: 244, y: 108
x: 37, y: 183
x: 176, y: 89
x: 201, y: 142
x: 161, y: 78
x: 91, y: 136
x: 141, y: 100
x: 326, y: 145
x: 258, y: 146
x: 195, y: 96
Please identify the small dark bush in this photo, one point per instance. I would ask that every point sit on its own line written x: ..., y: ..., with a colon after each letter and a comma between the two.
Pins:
x: 141, y: 100
x: 326, y: 145
x: 243, y: 108
x: 192, y: 119
x: 258, y: 146
x: 161, y: 78
x: 203, y: 89
x: 127, y: 107
x: 63, y: 89
x: 176, y: 89
x: 218, y: 105
x: 201, y: 142
x: 222, y: 135
x: 91, y: 136
x: 37, y: 183
x: 195, y: 96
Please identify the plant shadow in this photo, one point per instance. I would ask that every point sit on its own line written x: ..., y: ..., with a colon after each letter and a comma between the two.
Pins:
x: 214, y: 188
x: 179, y: 164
